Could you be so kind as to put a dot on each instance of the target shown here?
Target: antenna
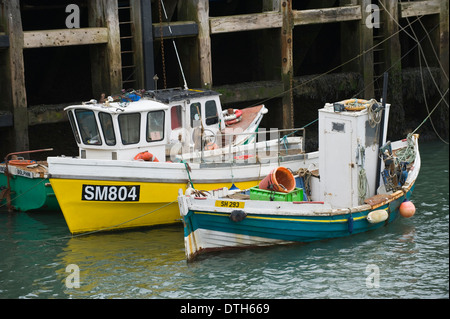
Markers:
(174, 45)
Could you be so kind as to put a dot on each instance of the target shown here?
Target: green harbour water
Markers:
(411, 257)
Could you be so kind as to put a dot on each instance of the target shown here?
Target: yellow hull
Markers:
(88, 207)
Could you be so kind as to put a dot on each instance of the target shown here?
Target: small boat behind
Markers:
(358, 187)
(24, 184)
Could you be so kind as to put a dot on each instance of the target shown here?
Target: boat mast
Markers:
(381, 138)
(174, 45)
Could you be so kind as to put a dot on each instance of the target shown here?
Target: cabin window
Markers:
(196, 114)
(175, 116)
(74, 127)
(107, 128)
(155, 126)
(88, 127)
(211, 116)
(129, 125)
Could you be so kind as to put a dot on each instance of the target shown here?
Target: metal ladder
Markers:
(379, 63)
(127, 29)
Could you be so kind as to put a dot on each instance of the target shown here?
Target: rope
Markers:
(423, 84)
(337, 67)
(108, 228)
(363, 184)
(374, 116)
(188, 169)
(306, 175)
(174, 45)
(416, 39)
(429, 114)
(12, 199)
(407, 154)
(398, 61)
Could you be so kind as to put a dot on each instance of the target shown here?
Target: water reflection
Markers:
(125, 264)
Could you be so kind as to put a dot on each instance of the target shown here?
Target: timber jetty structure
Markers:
(291, 55)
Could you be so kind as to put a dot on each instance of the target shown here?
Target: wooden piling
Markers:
(393, 61)
(106, 64)
(444, 57)
(197, 57)
(16, 75)
(366, 44)
(287, 63)
(443, 44)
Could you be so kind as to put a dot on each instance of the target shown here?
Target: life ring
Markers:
(21, 162)
(228, 123)
(232, 117)
(243, 157)
(356, 104)
(146, 156)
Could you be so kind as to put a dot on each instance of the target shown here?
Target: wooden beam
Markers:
(16, 75)
(273, 19)
(419, 8)
(64, 37)
(46, 114)
(179, 29)
(254, 91)
(327, 15)
(246, 22)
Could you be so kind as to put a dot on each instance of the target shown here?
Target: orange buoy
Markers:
(146, 156)
(407, 209)
(280, 179)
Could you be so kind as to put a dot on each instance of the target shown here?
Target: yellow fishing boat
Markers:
(137, 150)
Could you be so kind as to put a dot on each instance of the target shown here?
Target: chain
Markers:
(162, 44)
(291, 81)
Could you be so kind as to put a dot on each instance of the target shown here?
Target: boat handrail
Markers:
(246, 148)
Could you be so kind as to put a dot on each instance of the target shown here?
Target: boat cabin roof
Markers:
(151, 100)
(177, 94)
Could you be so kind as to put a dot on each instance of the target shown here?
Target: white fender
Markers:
(377, 216)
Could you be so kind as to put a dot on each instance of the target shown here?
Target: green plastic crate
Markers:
(261, 194)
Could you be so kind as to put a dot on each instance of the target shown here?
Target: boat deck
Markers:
(248, 116)
(38, 169)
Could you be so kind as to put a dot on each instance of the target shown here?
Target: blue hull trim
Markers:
(290, 228)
